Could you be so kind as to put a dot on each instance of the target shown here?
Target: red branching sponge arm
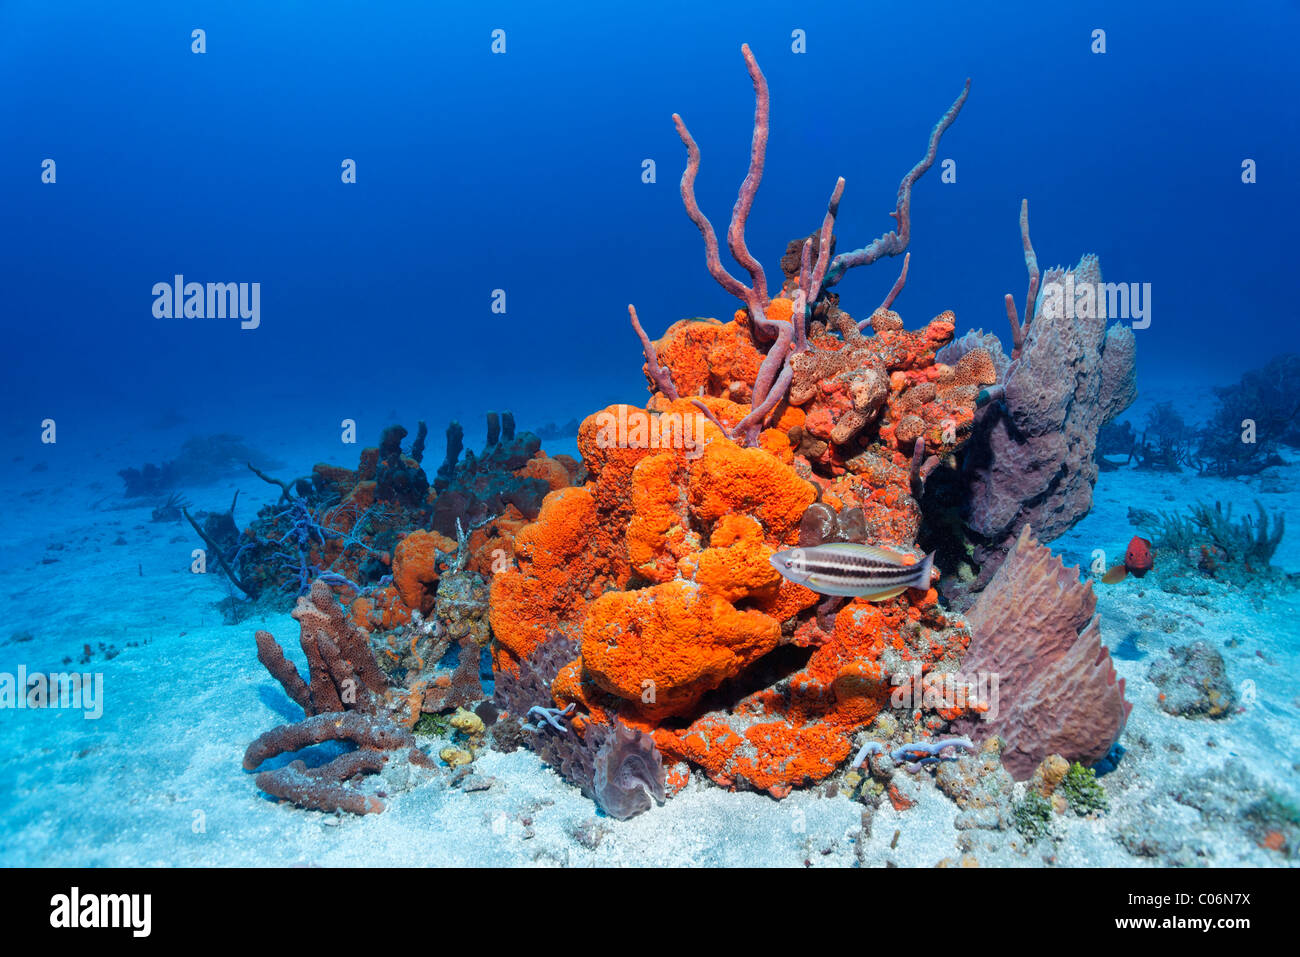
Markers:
(1031, 262)
(755, 299)
(800, 316)
(899, 283)
(711, 416)
(823, 250)
(748, 188)
(1018, 331)
(894, 290)
(657, 373)
(895, 242)
(767, 394)
(751, 424)
(724, 279)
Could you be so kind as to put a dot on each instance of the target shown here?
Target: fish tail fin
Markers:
(923, 573)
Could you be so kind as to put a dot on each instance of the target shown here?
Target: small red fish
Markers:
(1137, 562)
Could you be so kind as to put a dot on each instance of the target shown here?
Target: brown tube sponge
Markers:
(342, 668)
(363, 730)
(326, 788)
(271, 655)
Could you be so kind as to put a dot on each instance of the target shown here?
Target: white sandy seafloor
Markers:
(157, 779)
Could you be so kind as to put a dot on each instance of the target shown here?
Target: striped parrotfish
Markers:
(853, 570)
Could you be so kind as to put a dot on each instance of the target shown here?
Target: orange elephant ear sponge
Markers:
(708, 357)
(737, 564)
(729, 479)
(659, 533)
(415, 567)
(661, 648)
(659, 568)
(558, 561)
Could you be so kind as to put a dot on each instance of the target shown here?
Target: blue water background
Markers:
(522, 172)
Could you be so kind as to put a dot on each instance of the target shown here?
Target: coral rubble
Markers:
(1193, 682)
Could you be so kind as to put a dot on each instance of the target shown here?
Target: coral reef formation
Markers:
(410, 639)
(1254, 417)
(203, 459)
(648, 592)
(510, 476)
(350, 671)
(1035, 626)
(346, 697)
(336, 523)
(351, 526)
(637, 628)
